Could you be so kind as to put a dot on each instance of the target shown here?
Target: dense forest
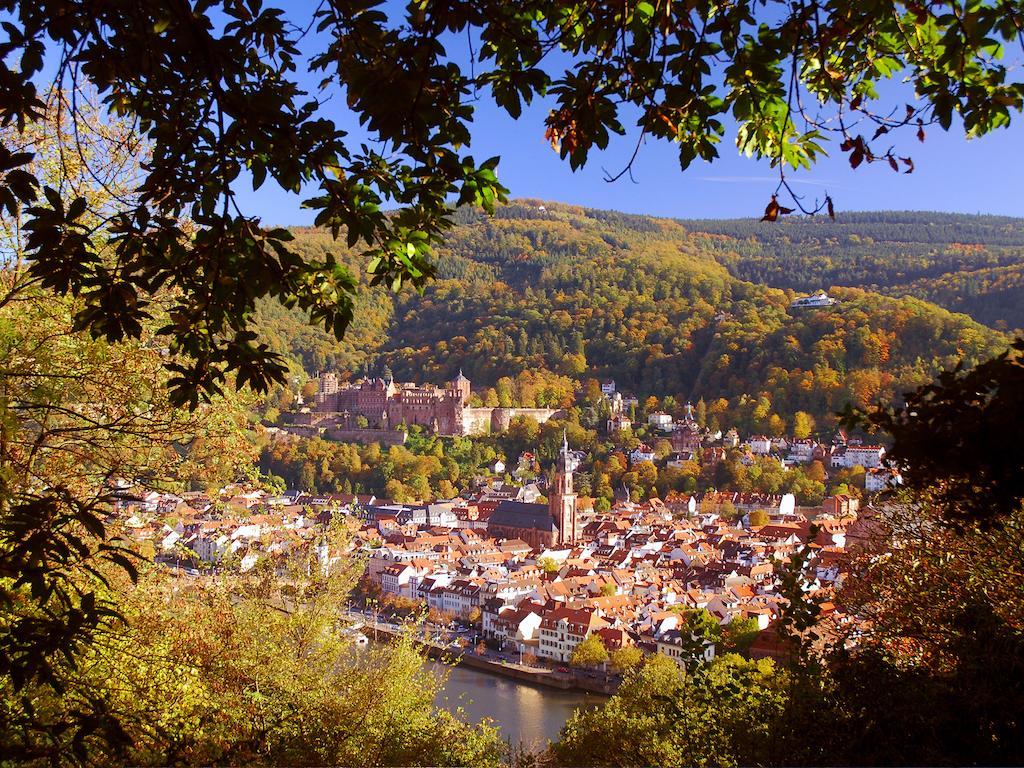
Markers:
(562, 292)
(970, 264)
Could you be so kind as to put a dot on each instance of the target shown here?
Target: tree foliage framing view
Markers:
(212, 86)
(158, 263)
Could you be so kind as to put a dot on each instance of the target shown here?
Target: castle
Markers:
(385, 405)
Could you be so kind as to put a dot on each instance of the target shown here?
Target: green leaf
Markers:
(643, 13)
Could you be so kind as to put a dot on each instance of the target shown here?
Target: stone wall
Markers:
(478, 421)
(384, 437)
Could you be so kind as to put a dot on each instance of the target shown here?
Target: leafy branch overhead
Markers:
(212, 86)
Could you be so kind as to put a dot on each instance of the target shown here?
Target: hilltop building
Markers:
(618, 420)
(686, 434)
(819, 299)
(385, 404)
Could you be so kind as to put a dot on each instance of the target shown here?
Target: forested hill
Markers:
(543, 287)
(971, 264)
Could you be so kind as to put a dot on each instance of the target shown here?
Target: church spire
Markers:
(563, 466)
(562, 498)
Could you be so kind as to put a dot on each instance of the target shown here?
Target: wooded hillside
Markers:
(666, 310)
(970, 264)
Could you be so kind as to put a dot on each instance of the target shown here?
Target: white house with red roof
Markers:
(563, 628)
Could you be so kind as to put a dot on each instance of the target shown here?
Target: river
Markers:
(527, 714)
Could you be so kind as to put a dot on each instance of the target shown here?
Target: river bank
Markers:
(540, 676)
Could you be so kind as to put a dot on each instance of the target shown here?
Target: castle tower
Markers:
(327, 384)
(460, 384)
(327, 391)
(562, 499)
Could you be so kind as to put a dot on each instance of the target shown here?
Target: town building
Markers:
(817, 300)
(660, 420)
(562, 629)
(880, 478)
(867, 456)
(684, 649)
(642, 452)
(686, 433)
(542, 525)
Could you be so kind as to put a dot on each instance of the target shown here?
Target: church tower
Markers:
(562, 499)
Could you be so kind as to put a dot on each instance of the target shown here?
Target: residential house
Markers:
(460, 597)
(642, 452)
(801, 452)
(684, 649)
(563, 628)
(880, 478)
(867, 456)
(516, 626)
(660, 420)
(395, 578)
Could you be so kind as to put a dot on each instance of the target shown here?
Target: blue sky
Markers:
(951, 173)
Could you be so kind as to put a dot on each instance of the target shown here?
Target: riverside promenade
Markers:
(543, 676)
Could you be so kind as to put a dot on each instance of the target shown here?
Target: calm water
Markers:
(527, 714)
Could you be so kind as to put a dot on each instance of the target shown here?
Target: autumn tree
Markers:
(548, 565)
(758, 518)
(626, 658)
(816, 471)
(698, 629)
(80, 416)
(722, 714)
(727, 510)
(960, 436)
(739, 634)
(591, 652)
(803, 425)
(215, 672)
(943, 652)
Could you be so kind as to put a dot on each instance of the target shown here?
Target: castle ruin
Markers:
(386, 404)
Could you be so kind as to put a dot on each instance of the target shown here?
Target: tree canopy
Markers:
(212, 87)
(960, 436)
(589, 653)
(78, 417)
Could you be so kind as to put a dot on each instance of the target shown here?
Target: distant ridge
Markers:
(971, 263)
